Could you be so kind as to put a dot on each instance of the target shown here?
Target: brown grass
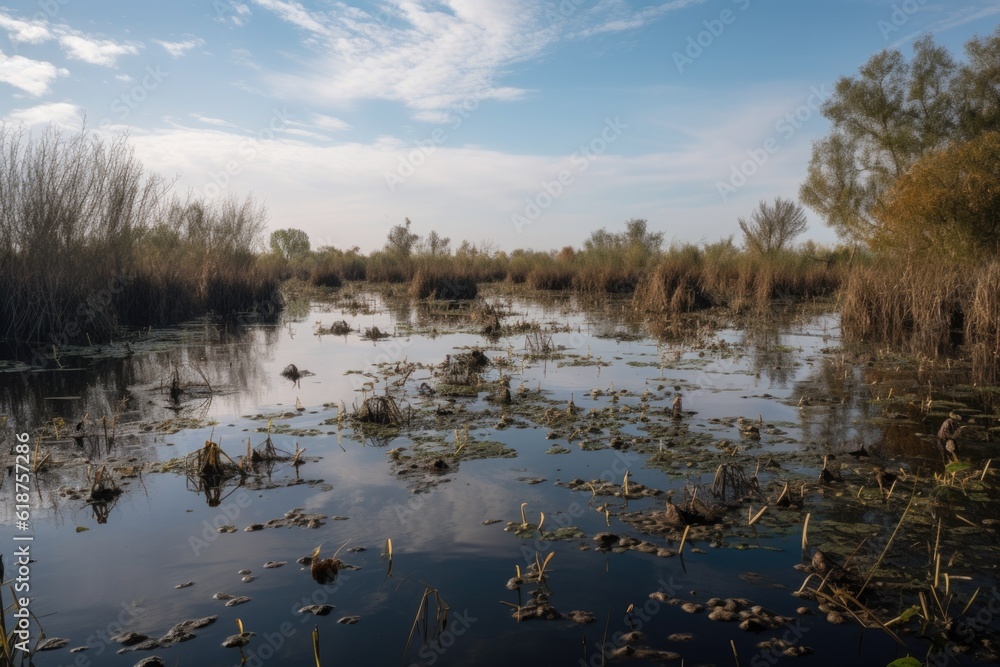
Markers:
(930, 309)
(90, 242)
(442, 282)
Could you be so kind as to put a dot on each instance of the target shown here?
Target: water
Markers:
(121, 572)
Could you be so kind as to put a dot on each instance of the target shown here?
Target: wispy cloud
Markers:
(208, 120)
(953, 18)
(32, 76)
(178, 49)
(431, 56)
(618, 15)
(97, 51)
(325, 122)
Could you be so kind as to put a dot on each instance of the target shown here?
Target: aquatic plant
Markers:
(381, 410)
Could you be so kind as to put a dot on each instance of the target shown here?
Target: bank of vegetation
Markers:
(90, 242)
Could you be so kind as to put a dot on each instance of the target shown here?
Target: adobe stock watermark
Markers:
(432, 651)
(564, 10)
(702, 41)
(123, 105)
(900, 16)
(784, 129)
(249, 150)
(49, 9)
(228, 512)
(408, 164)
(579, 162)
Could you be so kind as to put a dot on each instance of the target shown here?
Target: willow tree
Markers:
(890, 115)
(947, 206)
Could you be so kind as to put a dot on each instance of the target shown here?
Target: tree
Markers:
(401, 240)
(635, 239)
(436, 245)
(772, 226)
(289, 243)
(889, 116)
(947, 205)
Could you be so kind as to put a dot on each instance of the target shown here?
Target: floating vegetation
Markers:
(210, 461)
(338, 328)
(732, 484)
(103, 488)
(381, 410)
(464, 369)
(374, 333)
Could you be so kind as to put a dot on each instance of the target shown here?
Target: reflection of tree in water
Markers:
(835, 407)
(612, 316)
(93, 408)
(768, 355)
(849, 402)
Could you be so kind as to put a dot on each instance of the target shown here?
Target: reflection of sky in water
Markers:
(81, 580)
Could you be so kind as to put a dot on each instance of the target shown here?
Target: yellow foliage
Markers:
(947, 206)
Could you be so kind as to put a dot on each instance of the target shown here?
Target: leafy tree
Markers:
(289, 243)
(889, 116)
(401, 240)
(436, 245)
(772, 226)
(947, 204)
(635, 239)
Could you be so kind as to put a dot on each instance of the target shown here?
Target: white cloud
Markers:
(234, 12)
(30, 31)
(32, 76)
(431, 57)
(294, 13)
(77, 45)
(124, 78)
(325, 122)
(618, 15)
(62, 114)
(208, 120)
(956, 16)
(96, 51)
(178, 49)
(243, 57)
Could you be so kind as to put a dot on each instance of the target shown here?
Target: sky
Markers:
(506, 123)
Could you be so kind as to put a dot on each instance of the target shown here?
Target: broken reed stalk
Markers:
(784, 492)
(736, 656)
(388, 551)
(604, 639)
(889, 543)
(680, 550)
(315, 640)
(805, 533)
(757, 515)
(540, 565)
(986, 469)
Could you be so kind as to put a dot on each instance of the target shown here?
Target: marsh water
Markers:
(591, 400)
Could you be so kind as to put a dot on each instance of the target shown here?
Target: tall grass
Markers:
(933, 309)
(688, 278)
(89, 241)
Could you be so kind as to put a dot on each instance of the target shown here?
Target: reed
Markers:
(89, 242)
(930, 309)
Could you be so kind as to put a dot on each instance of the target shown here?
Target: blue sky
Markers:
(517, 123)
